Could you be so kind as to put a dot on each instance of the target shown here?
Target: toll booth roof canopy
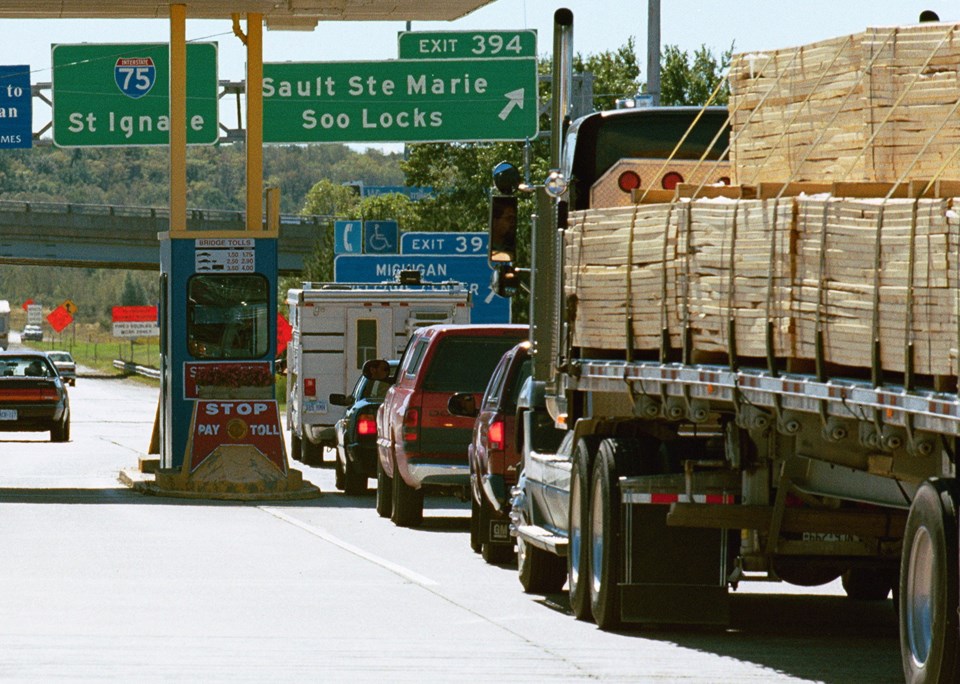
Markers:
(278, 14)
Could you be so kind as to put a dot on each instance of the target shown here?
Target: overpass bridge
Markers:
(107, 236)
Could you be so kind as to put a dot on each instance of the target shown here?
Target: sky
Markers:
(748, 25)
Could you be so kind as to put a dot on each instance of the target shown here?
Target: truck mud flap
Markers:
(672, 575)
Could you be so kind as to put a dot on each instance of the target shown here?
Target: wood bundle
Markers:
(874, 106)
(804, 267)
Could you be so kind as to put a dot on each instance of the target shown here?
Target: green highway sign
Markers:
(118, 95)
(400, 101)
(466, 44)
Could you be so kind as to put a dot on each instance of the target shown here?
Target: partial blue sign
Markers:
(381, 237)
(472, 271)
(415, 193)
(347, 237)
(454, 244)
(16, 108)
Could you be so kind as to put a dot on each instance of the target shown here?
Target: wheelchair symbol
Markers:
(378, 241)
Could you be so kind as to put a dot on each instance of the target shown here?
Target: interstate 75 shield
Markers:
(135, 76)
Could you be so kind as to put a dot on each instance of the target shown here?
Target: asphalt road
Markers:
(97, 582)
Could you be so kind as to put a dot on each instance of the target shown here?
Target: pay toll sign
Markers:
(400, 101)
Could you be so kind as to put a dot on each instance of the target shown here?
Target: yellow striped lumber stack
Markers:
(876, 106)
(801, 265)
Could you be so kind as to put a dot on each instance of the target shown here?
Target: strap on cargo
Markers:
(666, 348)
(731, 289)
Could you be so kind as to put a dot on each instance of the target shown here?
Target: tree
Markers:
(616, 74)
(690, 82)
(327, 198)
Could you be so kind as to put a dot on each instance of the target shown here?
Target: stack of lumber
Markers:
(875, 106)
(802, 265)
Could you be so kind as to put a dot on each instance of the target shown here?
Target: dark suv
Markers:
(494, 453)
(420, 444)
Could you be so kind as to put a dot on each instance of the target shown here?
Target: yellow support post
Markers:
(178, 118)
(254, 122)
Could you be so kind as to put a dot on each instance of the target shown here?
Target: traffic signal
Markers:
(505, 280)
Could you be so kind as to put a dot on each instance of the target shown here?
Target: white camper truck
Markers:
(336, 328)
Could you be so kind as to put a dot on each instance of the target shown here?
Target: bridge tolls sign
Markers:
(118, 95)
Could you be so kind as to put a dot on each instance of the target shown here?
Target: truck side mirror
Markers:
(503, 228)
(463, 404)
(377, 369)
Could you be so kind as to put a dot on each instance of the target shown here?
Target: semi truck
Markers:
(337, 327)
(754, 380)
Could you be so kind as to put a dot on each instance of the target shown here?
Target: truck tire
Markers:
(384, 492)
(407, 502)
(605, 542)
(868, 584)
(578, 553)
(338, 474)
(475, 544)
(295, 448)
(928, 586)
(311, 454)
(497, 554)
(540, 572)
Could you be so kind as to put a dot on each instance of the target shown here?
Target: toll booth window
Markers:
(366, 340)
(227, 316)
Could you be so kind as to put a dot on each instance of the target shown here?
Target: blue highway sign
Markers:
(380, 237)
(347, 237)
(16, 108)
(455, 244)
(473, 271)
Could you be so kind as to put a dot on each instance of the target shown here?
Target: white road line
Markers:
(406, 573)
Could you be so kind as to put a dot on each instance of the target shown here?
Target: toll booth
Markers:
(218, 312)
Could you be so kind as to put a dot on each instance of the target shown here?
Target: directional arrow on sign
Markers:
(515, 99)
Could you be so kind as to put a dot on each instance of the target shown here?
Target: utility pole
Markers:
(653, 50)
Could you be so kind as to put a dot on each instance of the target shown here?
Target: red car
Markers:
(494, 454)
(420, 444)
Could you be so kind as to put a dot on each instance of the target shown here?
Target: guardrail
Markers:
(136, 369)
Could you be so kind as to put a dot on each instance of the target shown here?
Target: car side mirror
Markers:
(341, 399)
(463, 404)
(377, 369)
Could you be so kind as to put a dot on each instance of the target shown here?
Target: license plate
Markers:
(499, 530)
(8, 414)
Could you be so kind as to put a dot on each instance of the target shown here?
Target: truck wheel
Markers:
(578, 556)
(928, 586)
(605, 537)
(868, 584)
(497, 554)
(475, 544)
(338, 474)
(384, 492)
(407, 502)
(295, 446)
(354, 483)
(540, 572)
(311, 454)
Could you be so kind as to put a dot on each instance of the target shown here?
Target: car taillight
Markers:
(495, 435)
(310, 387)
(366, 425)
(411, 425)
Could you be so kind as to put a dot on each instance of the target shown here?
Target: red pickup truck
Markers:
(420, 444)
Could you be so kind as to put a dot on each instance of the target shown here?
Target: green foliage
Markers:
(616, 73)
(686, 81)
